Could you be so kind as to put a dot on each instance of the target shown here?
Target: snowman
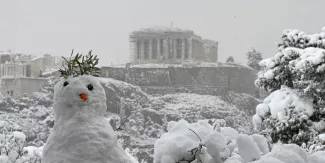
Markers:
(81, 133)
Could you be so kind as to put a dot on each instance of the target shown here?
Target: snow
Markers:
(80, 126)
(133, 159)
(175, 145)
(215, 143)
(317, 157)
(257, 121)
(33, 151)
(262, 109)
(301, 59)
(322, 136)
(49, 71)
(267, 63)
(4, 159)
(285, 154)
(295, 148)
(312, 56)
(229, 133)
(19, 135)
(261, 142)
(2, 138)
(247, 148)
(107, 82)
(268, 160)
(170, 125)
(281, 99)
(269, 74)
(233, 160)
(36, 58)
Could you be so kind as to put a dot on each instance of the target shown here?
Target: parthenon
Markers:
(171, 45)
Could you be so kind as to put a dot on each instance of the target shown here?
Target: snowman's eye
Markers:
(65, 83)
(90, 87)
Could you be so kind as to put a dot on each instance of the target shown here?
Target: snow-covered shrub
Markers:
(287, 116)
(13, 150)
(8, 104)
(294, 110)
(199, 142)
(204, 142)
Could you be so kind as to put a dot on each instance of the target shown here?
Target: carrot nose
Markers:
(83, 96)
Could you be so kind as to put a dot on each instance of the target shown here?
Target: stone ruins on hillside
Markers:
(170, 45)
(22, 73)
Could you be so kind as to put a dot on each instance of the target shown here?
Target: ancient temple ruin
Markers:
(170, 45)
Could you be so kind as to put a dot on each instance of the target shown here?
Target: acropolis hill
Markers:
(171, 60)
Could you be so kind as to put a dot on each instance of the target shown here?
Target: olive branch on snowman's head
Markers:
(80, 65)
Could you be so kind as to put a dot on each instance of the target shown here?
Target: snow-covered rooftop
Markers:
(36, 58)
(50, 71)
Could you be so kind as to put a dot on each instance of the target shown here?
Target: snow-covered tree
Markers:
(13, 150)
(253, 59)
(294, 112)
(230, 59)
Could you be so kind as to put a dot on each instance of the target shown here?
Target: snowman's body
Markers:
(81, 132)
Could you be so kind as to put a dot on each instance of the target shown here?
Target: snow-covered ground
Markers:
(201, 142)
(147, 115)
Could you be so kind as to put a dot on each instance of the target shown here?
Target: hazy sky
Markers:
(57, 26)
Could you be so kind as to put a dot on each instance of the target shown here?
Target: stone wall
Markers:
(17, 86)
(242, 80)
(148, 76)
(201, 80)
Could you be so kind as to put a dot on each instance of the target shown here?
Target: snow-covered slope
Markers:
(146, 116)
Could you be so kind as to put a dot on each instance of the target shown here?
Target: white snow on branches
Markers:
(180, 144)
(277, 102)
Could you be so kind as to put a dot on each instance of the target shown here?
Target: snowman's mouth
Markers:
(83, 96)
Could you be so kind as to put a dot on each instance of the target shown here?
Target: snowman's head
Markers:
(79, 95)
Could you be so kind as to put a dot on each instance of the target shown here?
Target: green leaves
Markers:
(80, 65)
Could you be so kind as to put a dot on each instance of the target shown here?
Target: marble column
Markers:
(183, 49)
(166, 50)
(142, 49)
(190, 48)
(158, 49)
(150, 49)
(175, 48)
(11, 71)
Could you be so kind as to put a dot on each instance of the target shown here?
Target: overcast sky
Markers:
(57, 26)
